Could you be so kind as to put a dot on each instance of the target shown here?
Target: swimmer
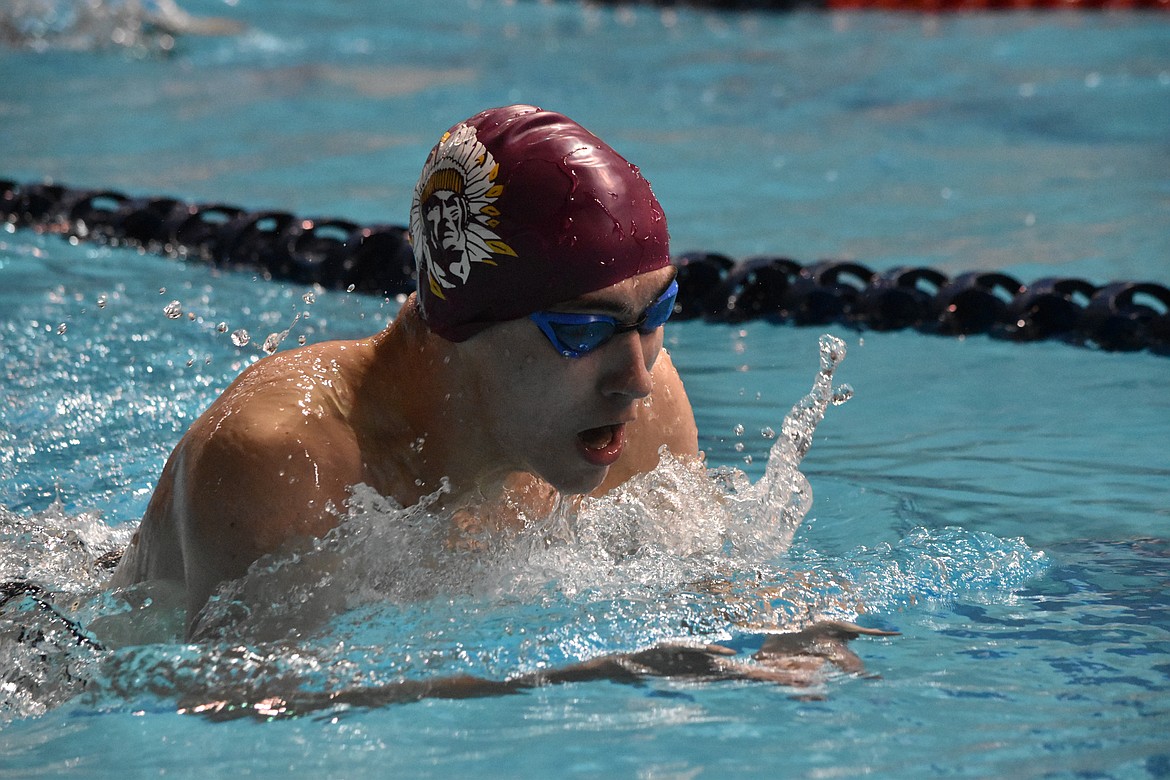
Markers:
(528, 364)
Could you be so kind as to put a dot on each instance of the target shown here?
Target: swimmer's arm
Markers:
(796, 659)
(153, 552)
(666, 418)
(248, 487)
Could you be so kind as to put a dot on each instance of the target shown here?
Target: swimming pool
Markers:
(1001, 505)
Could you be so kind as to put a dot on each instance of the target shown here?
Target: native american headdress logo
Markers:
(452, 217)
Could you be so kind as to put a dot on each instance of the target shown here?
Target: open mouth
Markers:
(602, 446)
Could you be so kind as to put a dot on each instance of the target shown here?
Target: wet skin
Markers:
(501, 416)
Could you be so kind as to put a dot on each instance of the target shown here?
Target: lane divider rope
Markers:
(377, 259)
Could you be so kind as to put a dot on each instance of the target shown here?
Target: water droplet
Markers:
(101, 301)
(190, 362)
(301, 339)
(173, 310)
(61, 329)
(309, 298)
(272, 342)
(747, 459)
(841, 394)
(221, 327)
(417, 444)
(162, 291)
(767, 432)
(190, 316)
(351, 288)
(739, 446)
(240, 337)
(739, 429)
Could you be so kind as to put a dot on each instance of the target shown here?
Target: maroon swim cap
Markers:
(518, 209)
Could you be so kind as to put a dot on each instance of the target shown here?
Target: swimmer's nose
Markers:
(631, 356)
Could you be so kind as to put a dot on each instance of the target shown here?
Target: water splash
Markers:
(682, 551)
(52, 565)
(276, 338)
(59, 551)
(146, 26)
(674, 525)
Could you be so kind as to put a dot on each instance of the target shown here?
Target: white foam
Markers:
(57, 550)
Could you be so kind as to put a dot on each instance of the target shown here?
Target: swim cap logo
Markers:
(453, 217)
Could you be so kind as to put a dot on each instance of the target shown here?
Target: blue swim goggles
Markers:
(574, 335)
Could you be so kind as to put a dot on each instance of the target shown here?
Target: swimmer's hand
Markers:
(797, 659)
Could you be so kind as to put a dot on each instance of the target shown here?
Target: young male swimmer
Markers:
(529, 362)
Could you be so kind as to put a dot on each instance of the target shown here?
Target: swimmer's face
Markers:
(561, 418)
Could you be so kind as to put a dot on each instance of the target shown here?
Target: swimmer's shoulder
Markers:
(669, 411)
(283, 422)
(315, 381)
(272, 460)
(665, 418)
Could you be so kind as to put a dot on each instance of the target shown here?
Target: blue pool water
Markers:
(1000, 505)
